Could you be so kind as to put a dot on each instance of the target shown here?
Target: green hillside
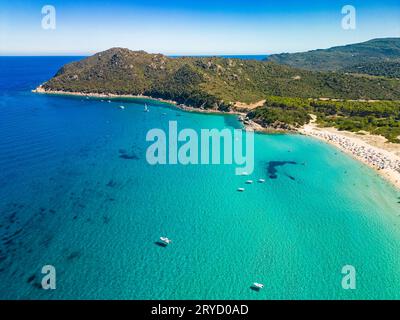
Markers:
(210, 82)
(345, 58)
(389, 69)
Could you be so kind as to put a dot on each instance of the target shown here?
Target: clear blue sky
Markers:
(191, 27)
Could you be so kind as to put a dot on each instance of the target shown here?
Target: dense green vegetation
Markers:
(377, 117)
(390, 69)
(382, 118)
(382, 52)
(210, 82)
(218, 83)
(284, 113)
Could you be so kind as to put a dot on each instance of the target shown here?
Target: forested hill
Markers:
(345, 58)
(390, 69)
(210, 82)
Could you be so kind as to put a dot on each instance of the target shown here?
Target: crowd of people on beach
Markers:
(369, 155)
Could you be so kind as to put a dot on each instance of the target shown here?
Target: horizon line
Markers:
(86, 54)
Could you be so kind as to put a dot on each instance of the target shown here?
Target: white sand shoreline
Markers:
(382, 157)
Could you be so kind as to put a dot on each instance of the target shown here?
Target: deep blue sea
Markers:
(76, 192)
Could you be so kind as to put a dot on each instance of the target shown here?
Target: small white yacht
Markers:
(258, 285)
(244, 173)
(146, 108)
(122, 107)
(165, 240)
(261, 180)
(240, 189)
(249, 181)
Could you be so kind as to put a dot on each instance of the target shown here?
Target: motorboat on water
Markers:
(165, 240)
(261, 180)
(258, 286)
(146, 108)
(249, 181)
(240, 189)
(122, 107)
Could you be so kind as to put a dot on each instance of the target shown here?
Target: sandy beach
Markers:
(372, 150)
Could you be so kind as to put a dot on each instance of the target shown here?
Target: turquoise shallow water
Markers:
(68, 198)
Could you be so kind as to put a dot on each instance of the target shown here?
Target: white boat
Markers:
(146, 108)
(258, 285)
(261, 180)
(249, 181)
(244, 173)
(240, 189)
(122, 107)
(165, 240)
